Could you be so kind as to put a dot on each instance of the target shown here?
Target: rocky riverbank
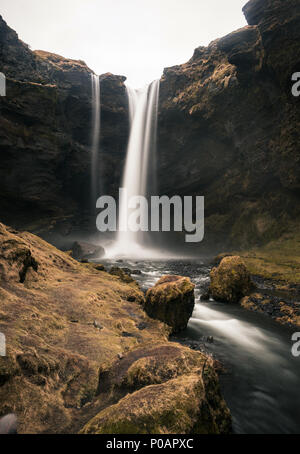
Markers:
(83, 355)
(261, 280)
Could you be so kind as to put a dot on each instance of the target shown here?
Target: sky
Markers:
(134, 38)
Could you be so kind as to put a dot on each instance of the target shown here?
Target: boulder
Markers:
(230, 281)
(171, 301)
(186, 404)
(85, 251)
(122, 274)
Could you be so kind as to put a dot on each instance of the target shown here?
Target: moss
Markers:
(159, 368)
(53, 364)
(277, 260)
(8, 369)
(172, 301)
(177, 406)
(230, 281)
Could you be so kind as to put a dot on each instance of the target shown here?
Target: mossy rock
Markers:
(177, 406)
(171, 301)
(230, 281)
(168, 363)
(119, 272)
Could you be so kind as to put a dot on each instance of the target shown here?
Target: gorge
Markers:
(84, 356)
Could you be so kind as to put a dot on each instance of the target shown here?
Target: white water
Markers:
(261, 383)
(95, 138)
(140, 163)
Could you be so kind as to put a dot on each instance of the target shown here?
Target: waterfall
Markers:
(95, 81)
(139, 172)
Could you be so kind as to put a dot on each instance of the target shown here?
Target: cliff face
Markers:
(229, 127)
(45, 135)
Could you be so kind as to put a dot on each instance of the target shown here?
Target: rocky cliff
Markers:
(45, 135)
(229, 127)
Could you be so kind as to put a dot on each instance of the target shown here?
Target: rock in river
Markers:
(171, 301)
(230, 281)
(82, 250)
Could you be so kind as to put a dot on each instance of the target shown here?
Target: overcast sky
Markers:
(135, 38)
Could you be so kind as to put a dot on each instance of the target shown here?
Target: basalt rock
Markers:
(172, 301)
(162, 389)
(231, 281)
(229, 118)
(45, 138)
(122, 274)
(82, 250)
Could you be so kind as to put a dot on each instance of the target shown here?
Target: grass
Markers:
(278, 260)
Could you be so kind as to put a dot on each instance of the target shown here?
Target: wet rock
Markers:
(171, 301)
(284, 311)
(142, 326)
(230, 281)
(100, 267)
(205, 296)
(85, 251)
(218, 259)
(115, 271)
(126, 334)
(136, 272)
(131, 298)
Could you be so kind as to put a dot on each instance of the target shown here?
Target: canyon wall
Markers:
(45, 136)
(229, 127)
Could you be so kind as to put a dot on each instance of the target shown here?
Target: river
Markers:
(261, 382)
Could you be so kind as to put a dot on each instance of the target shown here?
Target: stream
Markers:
(261, 383)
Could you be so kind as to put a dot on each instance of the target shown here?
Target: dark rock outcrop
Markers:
(45, 137)
(231, 281)
(229, 128)
(82, 250)
(122, 274)
(171, 301)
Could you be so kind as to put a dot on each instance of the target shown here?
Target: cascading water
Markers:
(95, 80)
(140, 162)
